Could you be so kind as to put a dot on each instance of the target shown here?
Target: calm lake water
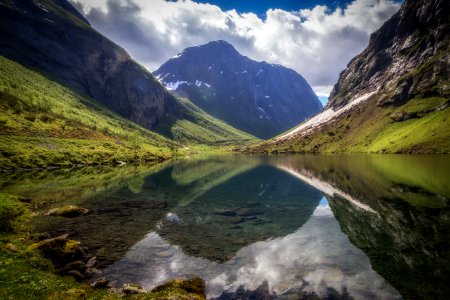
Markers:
(256, 227)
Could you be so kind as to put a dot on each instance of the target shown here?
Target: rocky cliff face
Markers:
(256, 97)
(394, 97)
(417, 34)
(52, 37)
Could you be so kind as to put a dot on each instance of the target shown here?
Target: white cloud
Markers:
(318, 43)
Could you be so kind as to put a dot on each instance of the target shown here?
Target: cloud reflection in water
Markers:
(316, 257)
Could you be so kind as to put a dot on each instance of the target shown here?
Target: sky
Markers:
(315, 38)
(260, 7)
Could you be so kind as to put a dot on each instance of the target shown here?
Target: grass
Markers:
(421, 125)
(188, 124)
(10, 210)
(44, 124)
(371, 129)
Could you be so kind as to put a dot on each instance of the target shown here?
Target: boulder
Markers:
(60, 250)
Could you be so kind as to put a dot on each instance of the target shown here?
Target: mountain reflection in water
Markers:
(336, 226)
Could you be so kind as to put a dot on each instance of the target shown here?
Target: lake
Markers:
(261, 227)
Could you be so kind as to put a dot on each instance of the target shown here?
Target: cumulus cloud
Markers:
(317, 43)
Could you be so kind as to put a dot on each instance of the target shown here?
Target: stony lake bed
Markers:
(287, 227)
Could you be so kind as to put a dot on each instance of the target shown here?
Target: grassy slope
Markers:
(45, 124)
(189, 124)
(371, 129)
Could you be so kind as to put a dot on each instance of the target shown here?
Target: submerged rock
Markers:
(101, 283)
(25, 200)
(130, 288)
(157, 204)
(69, 211)
(249, 211)
(224, 212)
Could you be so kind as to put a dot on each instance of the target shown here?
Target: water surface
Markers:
(339, 226)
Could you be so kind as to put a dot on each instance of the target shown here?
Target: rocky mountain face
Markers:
(417, 34)
(259, 98)
(393, 97)
(51, 36)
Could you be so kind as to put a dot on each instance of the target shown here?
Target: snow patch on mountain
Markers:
(173, 86)
(324, 117)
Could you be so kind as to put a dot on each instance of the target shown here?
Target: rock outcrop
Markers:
(417, 34)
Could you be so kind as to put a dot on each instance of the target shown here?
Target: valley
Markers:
(220, 175)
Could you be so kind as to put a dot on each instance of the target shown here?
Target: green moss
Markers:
(71, 245)
(10, 210)
(68, 211)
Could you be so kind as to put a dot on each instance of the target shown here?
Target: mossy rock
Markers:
(60, 250)
(69, 211)
(192, 286)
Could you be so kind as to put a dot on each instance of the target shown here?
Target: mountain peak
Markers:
(259, 98)
(218, 43)
(214, 47)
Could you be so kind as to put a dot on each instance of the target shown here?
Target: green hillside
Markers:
(189, 124)
(44, 124)
(420, 125)
(375, 129)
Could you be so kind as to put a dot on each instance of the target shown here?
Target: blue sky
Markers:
(260, 7)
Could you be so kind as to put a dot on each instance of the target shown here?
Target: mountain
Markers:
(393, 97)
(53, 38)
(256, 97)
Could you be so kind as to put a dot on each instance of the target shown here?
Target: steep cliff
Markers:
(393, 97)
(407, 57)
(52, 37)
